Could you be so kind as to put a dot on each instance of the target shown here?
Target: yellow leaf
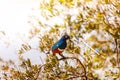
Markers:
(88, 0)
(107, 1)
(92, 38)
(61, 1)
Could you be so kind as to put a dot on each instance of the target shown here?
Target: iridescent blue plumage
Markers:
(60, 44)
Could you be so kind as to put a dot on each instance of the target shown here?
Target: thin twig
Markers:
(98, 53)
(90, 47)
(116, 50)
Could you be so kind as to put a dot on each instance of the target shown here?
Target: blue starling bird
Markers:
(59, 46)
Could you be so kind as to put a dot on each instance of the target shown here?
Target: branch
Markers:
(116, 50)
(79, 63)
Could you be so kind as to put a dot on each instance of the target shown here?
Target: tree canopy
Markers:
(93, 54)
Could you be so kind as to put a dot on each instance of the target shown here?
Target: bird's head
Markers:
(65, 37)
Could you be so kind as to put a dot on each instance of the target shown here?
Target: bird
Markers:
(60, 45)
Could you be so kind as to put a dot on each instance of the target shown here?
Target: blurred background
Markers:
(14, 26)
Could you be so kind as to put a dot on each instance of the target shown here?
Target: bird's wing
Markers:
(56, 45)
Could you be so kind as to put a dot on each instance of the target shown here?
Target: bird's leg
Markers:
(61, 55)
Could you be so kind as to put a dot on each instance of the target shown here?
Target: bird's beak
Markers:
(70, 39)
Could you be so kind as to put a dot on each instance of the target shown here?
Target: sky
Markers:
(14, 14)
(14, 17)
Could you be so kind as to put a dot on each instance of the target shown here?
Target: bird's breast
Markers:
(58, 50)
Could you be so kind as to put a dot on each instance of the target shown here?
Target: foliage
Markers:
(95, 33)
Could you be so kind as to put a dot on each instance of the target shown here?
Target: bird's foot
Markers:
(63, 57)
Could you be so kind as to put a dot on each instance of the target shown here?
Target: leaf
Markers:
(61, 1)
(92, 38)
(107, 1)
(5, 68)
(99, 15)
(63, 75)
(113, 61)
(28, 62)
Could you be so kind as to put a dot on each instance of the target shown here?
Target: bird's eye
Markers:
(66, 36)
